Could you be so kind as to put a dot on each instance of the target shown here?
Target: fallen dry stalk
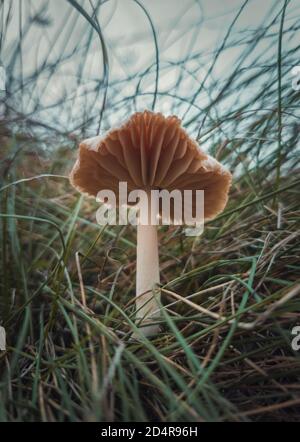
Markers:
(243, 325)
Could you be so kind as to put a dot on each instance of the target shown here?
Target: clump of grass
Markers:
(230, 298)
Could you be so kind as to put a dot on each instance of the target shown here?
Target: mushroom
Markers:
(150, 152)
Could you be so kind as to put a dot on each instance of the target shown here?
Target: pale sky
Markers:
(188, 34)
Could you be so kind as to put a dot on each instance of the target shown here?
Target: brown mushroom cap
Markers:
(151, 151)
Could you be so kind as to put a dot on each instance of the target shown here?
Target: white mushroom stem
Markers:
(147, 277)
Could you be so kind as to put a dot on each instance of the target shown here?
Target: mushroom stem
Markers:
(147, 276)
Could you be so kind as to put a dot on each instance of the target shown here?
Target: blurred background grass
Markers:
(231, 297)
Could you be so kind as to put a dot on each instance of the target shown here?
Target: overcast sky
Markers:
(188, 34)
